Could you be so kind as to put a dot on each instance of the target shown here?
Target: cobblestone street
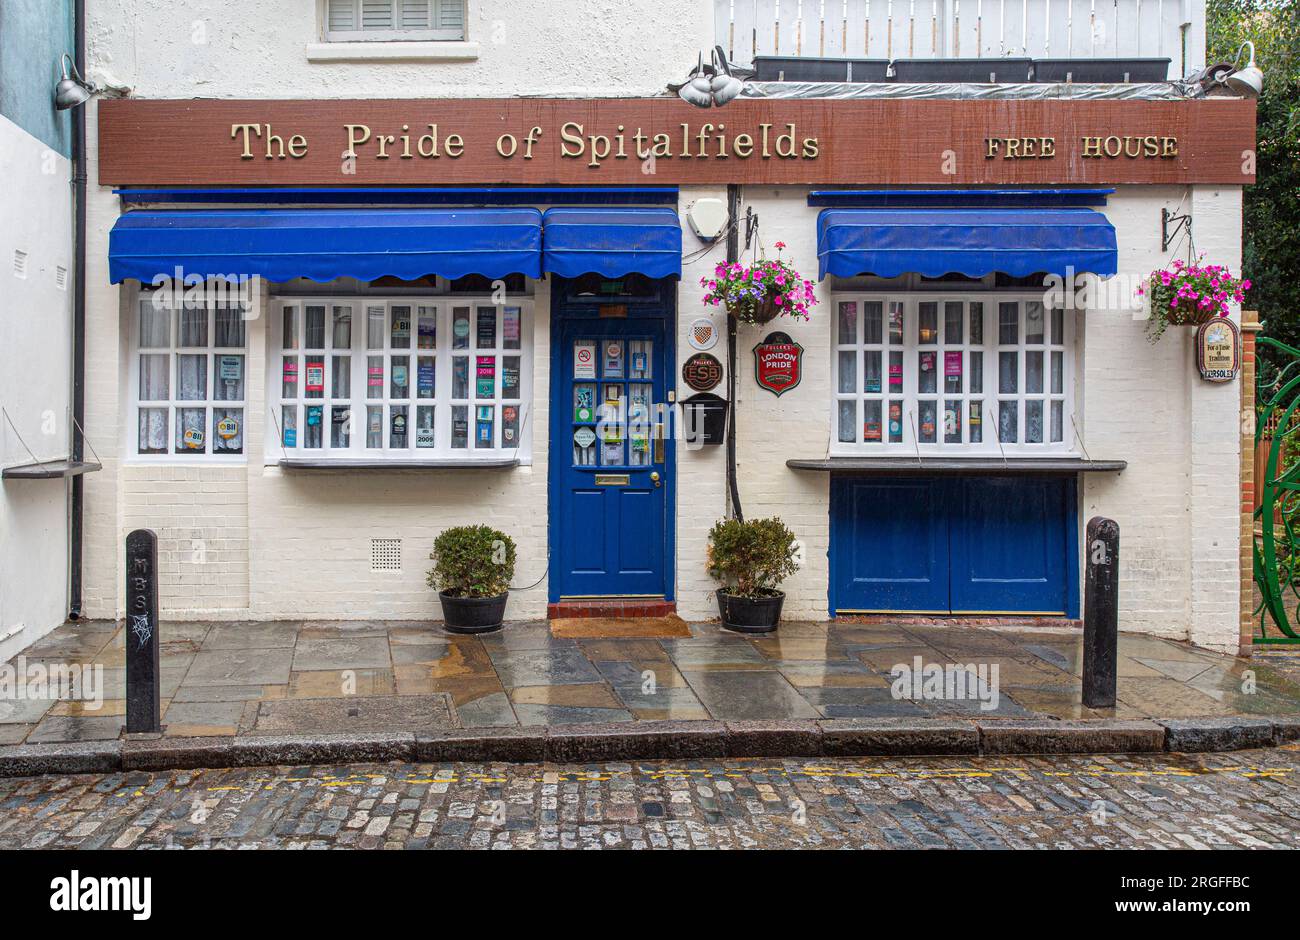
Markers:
(1246, 799)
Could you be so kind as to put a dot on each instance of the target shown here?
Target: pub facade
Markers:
(351, 281)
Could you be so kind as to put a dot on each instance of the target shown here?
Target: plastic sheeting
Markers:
(1025, 91)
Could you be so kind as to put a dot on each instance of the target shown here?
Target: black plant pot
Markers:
(473, 614)
(750, 614)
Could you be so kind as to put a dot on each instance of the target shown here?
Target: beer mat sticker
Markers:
(778, 363)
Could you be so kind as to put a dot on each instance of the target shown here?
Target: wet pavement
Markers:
(1248, 799)
(281, 677)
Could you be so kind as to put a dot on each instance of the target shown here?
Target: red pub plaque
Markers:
(777, 362)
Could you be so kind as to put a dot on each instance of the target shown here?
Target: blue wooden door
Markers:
(611, 460)
(962, 545)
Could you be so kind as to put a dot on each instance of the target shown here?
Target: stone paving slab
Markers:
(813, 688)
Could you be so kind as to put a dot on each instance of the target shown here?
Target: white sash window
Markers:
(951, 375)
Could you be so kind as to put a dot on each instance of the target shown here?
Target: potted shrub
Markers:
(759, 292)
(472, 568)
(751, 559)
(1189, 295)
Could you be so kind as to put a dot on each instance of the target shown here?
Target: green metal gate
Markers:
(1277, 517)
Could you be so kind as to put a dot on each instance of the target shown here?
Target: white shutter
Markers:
(342, 14)
(451, 14)
(377, 14)
(414, 13)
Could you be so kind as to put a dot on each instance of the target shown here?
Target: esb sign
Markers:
(778, 363)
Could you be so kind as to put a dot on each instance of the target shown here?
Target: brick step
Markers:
(612, 607)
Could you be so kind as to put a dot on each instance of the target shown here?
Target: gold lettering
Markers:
(357, 134)
(743, 145)
(297, 146)
(247, 130)
(455, 145)
(1048, 149)
(567, 137)
(1111, 151)
(990, 147)
(502, 144)
(1091, 147)
(1169, 147)
(810, 148)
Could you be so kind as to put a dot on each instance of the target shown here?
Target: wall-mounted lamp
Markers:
(712, 85)
(72, 91)
(1249, 81)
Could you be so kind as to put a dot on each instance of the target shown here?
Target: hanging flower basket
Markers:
(760, 292)
(1189, 295)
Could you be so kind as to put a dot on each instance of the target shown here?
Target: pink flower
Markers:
(779, 300)
(1245, 284)
(780, 245)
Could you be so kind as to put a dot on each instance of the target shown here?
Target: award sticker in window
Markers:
(315, 375)
(509, 425)
(483, 426)
(584, 403)
(613, 358)
(584, 360)
(486, 377)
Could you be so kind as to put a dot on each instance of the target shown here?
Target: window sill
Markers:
(959, 464)
(363, 463)
(432, 51)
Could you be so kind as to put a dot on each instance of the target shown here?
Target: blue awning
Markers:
(612, 242)
(324, 244)
(973, 242)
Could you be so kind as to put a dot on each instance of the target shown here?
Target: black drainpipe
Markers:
(78, 320)
(733, 254)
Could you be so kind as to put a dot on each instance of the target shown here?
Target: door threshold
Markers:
(957, 621)
(613, 606)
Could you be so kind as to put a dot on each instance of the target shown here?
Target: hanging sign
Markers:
(777, 362)
(1218, 350)
(702, 372)
(702, 334)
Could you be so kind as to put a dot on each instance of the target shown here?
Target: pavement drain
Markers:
(364, 713)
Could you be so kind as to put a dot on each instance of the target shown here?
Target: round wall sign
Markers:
(702, 372)
(703, 334)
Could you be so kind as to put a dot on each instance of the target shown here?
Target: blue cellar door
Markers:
(961, 545)
(611, 460)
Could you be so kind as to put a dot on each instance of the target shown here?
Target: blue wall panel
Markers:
(33, 34)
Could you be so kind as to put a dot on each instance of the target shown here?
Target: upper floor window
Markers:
(979, 373)
(391, 20)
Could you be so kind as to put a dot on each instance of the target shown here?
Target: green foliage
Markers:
(472, 561)
(1271, 222)
(751, 558)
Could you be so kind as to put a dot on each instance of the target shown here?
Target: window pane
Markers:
(374, 376)
(1008, 379)
(977, 371)
(895, 370)
(952, 314)
(374, 328)
(425, 374)
(926, 377)
(484, 433)
(1034, 421)
(460, 377)
(193, 328)
(341, 380)
(155, 326)
(313, 328)
(952, 371)
(510, 377)
(511, 321)
(1034, 371)
(486, 337)
(460, 328)
(952, 421)
(289, 328)
(1058, 422)
(872, 325)
(639, 356)
(314, 377)
(342, 338)
(895, 323)
(848, 331)
(848, 370)
(401, 332)
(428, 331)
(289, 425)
(611, 359)
(895, 422)
(227, 430)
(192, 379)
(230, 326)
(871, 371)
(155, 378)
(190, 436)
(289, 377)
(397, 426)
(315, 419)
(1034, 322)
(1058, 373)
(374, 426)
(230, 379)
(848, 420)
(400, 376)
(485, 377)
(460, 425)
(927, 323)
(341, 427)
(510, 433)
(153, 431)
(1058, 327)
(871, 422)
(976, 324)
(976, 425)
(1008, 323)
(424, 429)
(1007, 422)
(926, 410)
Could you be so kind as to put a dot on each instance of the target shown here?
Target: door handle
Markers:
(654, 478)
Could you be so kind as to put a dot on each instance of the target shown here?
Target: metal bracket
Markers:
(751, 225)
(1179, 223)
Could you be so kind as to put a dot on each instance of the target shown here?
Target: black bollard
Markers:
(143, 704)
(1101, 613)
